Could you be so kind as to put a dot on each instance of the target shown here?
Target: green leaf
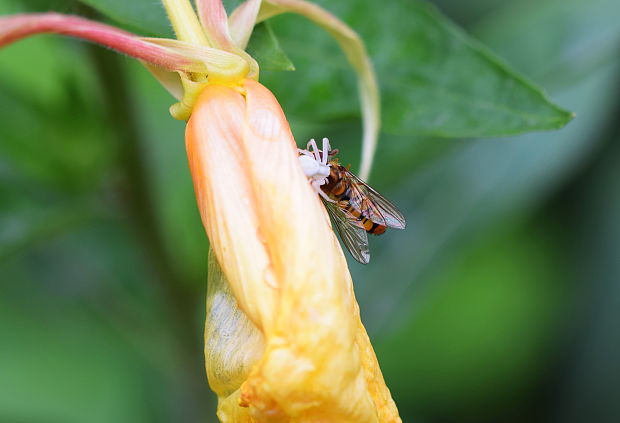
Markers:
(435, 80)
(265, 48)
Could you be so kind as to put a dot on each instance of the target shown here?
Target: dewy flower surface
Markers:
(283, 338)
(304, 355)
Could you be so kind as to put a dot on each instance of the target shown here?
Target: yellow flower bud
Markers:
(284, 341)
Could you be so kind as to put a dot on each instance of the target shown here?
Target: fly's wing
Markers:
(373, 205)
(352, 236)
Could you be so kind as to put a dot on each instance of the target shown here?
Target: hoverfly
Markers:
(355, 209)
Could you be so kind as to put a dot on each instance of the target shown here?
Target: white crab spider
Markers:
(315, 165)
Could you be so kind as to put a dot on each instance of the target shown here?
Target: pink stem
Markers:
(16, 27)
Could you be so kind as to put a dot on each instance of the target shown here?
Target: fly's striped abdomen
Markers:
(338, 188)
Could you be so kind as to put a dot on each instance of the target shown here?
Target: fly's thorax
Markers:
(336, 185)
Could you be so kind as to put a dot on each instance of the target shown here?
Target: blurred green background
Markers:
(499, 303)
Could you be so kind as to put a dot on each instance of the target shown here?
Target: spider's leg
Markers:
(315, 187)
(326, 150)
(315, 149)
